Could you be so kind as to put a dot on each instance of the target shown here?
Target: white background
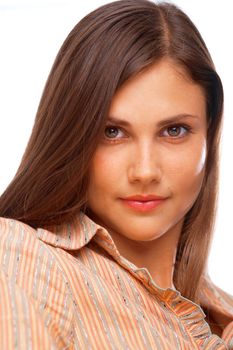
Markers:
(31, 32)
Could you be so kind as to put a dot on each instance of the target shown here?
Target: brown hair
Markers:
(107, 47)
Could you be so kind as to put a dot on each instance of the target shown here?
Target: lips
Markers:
(143, 203)
(144, 198)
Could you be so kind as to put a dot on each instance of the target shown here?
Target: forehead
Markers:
(163, 89)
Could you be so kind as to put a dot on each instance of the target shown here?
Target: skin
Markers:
(145, 157)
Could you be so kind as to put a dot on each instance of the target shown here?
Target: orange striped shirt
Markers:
(67, 287)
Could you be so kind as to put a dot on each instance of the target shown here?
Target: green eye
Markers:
(176, 131)
(111, 132)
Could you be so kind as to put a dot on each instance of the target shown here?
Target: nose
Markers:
(145, 165)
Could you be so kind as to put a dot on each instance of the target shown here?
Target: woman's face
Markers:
(154, 144)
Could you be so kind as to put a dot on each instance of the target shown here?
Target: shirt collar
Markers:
(75, 234)
(81, 230)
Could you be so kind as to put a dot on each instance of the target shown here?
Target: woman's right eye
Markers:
(113, 132)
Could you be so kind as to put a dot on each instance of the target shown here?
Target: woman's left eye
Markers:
(176, 131)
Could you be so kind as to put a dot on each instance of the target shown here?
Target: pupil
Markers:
(174, 131)
(111, 132)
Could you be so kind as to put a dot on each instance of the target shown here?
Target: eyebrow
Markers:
(173, 119)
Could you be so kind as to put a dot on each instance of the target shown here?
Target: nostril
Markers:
(144, 174)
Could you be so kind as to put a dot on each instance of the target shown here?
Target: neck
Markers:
(158, 256)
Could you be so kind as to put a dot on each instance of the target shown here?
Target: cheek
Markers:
(105, 170)
(198, 161)
(188, 169)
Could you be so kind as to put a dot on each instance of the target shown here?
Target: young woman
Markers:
(106, 227)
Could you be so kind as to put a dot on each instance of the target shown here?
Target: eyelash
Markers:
(188, 130)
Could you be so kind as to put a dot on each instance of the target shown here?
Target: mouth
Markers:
(144, 198)
(143, 203)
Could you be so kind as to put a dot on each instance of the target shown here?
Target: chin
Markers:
(142, 235)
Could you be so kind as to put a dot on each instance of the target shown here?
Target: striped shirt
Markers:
(67, 287)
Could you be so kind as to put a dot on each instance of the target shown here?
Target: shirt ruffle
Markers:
(193, 319)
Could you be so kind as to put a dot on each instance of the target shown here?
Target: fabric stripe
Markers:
(67, 287)
(123, 325)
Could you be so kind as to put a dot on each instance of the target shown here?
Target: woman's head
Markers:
(104, 50)
(154, 145)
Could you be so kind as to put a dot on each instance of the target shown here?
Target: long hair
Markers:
(106, 48)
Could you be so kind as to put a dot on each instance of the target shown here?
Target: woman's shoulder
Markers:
(23, 254)
(18, 242)
(27, 260)
(218, 306)
(29, 266)
(17, 239)
(215, 296)
(9, 225)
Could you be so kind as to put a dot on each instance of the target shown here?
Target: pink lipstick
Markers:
(143, 203)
